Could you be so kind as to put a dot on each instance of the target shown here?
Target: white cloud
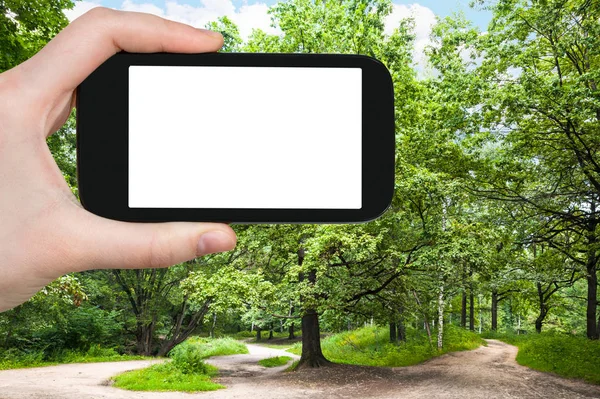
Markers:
(81, 7)
(424, 20)
(247, 17)
(144, 7)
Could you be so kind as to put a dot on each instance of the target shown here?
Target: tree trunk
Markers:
(471, 311)
(463, 310)
(144, 337)
(258, 333)
(213, 325)
(440, 336)
(401, 331)
(291, 334)
(312, 355)
(539, 321)
(494, 310)
(270, 331)
(181, 332)
(592, 278)
(393, 332)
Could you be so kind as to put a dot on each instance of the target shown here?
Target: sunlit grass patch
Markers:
(275, 361)
(565, 355)
(370, 346)
(207, 347)
(168, 377)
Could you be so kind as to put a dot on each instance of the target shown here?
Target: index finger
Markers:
(100, 33)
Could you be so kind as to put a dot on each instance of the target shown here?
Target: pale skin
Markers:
(44, 231)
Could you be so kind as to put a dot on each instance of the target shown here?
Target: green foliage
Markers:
(26, 26)
(167, 377)
(566, 355)
(231, 34)
(370, 346)
(275, 361)
(189, 359)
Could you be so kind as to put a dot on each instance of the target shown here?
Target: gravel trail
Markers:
(488, 372)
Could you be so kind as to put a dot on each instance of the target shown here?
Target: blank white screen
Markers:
(245, 137)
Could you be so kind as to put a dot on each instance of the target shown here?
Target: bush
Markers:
(188, 359)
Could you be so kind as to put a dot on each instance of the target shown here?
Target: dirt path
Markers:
(488, 372)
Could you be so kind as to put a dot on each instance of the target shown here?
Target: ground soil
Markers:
(488, 372)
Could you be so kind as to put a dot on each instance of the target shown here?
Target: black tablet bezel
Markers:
(102, 140)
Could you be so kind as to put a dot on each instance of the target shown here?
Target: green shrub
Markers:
(189, 360)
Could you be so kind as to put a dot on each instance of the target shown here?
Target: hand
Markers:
(44, 232)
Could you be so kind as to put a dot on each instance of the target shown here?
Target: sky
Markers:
(249, 14)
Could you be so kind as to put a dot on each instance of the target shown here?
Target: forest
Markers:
(493, 231)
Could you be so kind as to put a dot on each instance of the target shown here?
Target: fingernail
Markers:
(211, 33)
(214, 241)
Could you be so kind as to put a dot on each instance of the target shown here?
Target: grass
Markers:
(292, 366)
(14, 359)
(207, 347)
(187, 372)
(370, 346)
(565, 355)
(275, 361)
(167, 377)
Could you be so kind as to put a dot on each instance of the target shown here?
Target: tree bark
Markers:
(592, 278)
(291, 333)
(270, 331)
(144, 337)
(440, 336)
(463, 310)
(213, 325)
(312, 355)
(471, 311)
(539, 321)
(258, 333)
(494, 310)
(393, 332)
(401, 331)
